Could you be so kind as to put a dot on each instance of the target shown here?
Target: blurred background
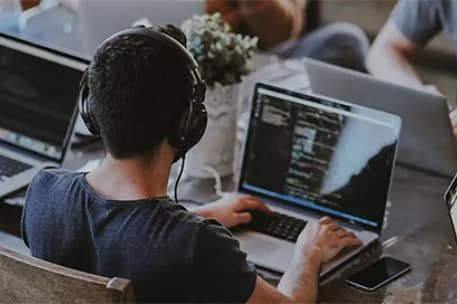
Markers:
(57, 23)
(436, 63)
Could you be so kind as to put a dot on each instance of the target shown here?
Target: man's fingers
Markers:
(351, 241)
(250, 203)
(341, 233)
(243, 217)
(332, 226)
(325, 220)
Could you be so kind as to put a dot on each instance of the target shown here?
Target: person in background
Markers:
(26, 4)
(71, 4)
(118, 220)
(411, 25)
(280, 26)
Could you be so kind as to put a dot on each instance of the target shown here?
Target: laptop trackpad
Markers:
(266, 251)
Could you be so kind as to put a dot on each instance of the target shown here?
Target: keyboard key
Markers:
(10, 167)
(277, 225)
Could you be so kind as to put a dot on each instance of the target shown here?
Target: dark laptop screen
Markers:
(327, 156)
(450, 198)
(38, 92)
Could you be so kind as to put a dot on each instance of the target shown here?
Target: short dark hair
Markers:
(138, 90)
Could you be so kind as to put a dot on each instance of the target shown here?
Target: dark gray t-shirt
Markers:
(420, 20)
(169, 253)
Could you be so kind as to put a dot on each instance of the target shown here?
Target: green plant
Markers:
(222, 55)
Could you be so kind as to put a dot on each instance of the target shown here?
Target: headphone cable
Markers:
(181, 170)
(217, 181)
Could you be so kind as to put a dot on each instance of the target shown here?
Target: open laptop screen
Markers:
(450, 197)
(38, 93)
(320, 154)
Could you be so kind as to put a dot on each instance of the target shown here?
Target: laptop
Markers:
(427, 139)
(309, 156)
(101, 18)
(38, 101)
(450, 198)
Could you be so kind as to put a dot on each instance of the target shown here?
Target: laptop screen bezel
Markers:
(77, 60)
(396, 121)
(450, 198)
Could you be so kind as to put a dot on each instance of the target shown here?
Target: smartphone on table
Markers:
(378, 274)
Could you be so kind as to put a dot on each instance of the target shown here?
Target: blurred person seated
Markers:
(412, 24)
(26, 4)
(281, 28)
(118, 220)
(15, 14)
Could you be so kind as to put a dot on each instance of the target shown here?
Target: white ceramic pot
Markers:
(216, 148)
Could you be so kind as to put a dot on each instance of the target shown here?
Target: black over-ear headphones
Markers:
(191, 125)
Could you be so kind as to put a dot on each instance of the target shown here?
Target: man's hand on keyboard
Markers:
(318, 243)
(324, 239)
(232, 210)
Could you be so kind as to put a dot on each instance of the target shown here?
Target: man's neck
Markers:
(133, 178)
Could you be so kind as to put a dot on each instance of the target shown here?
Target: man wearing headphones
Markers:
(143, 95)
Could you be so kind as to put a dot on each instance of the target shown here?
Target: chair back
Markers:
(25, 279)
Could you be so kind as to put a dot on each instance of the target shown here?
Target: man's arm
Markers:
(318, 243)
(389, 57)
(411, 25)
(265, 293)
(232, 209)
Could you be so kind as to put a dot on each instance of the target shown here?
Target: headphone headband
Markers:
(157, 35)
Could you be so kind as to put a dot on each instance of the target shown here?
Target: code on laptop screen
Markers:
(38, 92)
(321, 155)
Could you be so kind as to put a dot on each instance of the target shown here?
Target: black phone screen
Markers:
(379, 273)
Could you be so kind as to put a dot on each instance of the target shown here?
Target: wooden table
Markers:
(418, 218)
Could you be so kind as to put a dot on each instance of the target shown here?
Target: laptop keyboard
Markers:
(277, 225)
(10, 167)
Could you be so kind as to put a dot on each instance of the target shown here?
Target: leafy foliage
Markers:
(222, 55)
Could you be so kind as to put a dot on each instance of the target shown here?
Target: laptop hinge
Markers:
(26, 153)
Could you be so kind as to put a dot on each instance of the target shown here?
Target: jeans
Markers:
(342, 44)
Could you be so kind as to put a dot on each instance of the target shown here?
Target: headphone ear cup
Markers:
(199, 92)
(85, 111)
(191, 129)
(197, 125)
(92, 124)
